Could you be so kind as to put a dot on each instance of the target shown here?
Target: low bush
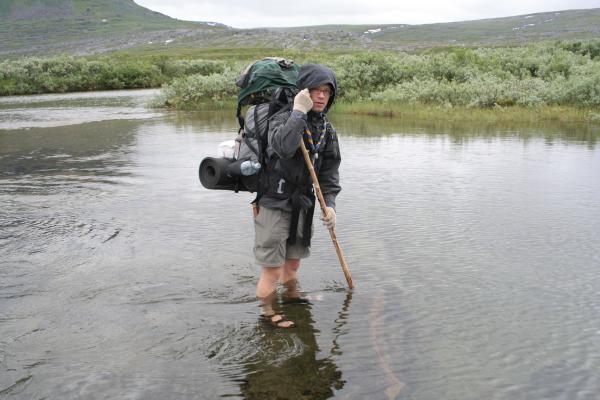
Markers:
(560, 73)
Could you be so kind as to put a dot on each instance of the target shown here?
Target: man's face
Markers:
(320, 97)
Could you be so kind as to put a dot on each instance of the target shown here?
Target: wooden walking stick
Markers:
(315, 182)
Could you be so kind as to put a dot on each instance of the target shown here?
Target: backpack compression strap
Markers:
(238, 114)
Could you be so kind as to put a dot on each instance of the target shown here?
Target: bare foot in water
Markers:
(270, 316)
(292, 293)
(278, 321)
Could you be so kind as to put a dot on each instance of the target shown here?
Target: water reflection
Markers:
(555, 132)
(361, 126)
(269, 362)
(474, 249)
(205, 121)
(40, 159)
(56, 110)
(287, 365)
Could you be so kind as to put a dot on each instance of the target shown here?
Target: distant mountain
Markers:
(45, 27)
(41, 27)
(91, 10)
(522, 29)
(517, 30)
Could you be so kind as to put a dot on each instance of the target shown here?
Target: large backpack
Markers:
(268, 86)
(261, 79)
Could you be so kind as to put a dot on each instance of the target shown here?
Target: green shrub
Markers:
(67, 73)
(180, 68)
(362, 74)
(562, 73)
(192, 90)
(589, 48)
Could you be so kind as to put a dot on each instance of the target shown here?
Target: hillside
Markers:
(517, 30)
(91, 10)
(80, 27)
(36, 27)
(564, 25)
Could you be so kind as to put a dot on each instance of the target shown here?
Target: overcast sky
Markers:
(271, 13)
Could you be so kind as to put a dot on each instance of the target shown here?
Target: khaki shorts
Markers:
(271, 230)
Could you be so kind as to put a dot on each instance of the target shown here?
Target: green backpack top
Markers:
(261, 79)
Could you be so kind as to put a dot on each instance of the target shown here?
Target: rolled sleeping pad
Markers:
(234, 169)
(250, 182)
(213, 175)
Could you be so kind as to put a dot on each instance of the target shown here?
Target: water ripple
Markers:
(475, 262)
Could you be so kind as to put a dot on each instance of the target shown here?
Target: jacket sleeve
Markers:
(285, 133)
(329, 175)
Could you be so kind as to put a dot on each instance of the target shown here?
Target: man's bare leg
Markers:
(289, 279)
(267, 284)
(290, 270)
(265, 291)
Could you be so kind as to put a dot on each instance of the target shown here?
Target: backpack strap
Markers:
(238, 114)
(256, 136)
(301, 206)
(308, 221)
(291, 240)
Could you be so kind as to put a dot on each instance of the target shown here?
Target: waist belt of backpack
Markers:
(302, 203)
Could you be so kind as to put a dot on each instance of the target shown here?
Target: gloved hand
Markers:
(329, 218)
(303, 102)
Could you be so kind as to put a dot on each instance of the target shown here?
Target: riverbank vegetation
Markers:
(555, 76)
(462, 114)
(62, 74)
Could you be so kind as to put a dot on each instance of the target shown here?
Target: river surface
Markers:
(475, 251)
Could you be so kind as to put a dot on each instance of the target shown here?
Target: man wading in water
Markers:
(283, 218)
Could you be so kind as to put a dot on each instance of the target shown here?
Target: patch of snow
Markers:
(104, 20)
(168, 41)
(529, 16)
(373, 30)
(211, 23)
(150, 42)
(548, 20)
(528, 25)
(516, 29)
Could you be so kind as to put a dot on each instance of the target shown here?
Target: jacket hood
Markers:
(314, 75)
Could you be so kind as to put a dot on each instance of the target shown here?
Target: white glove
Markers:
(329, 218)
(303, 102)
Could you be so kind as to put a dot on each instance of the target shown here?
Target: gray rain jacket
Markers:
(286, 176)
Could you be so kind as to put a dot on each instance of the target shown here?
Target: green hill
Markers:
(517, 30)
(81, 27)
(523, 29)
(36, 27)
(509, 31)
(90, 10)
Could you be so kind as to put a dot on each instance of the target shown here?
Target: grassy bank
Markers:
(427, 113)
(451, 114)
(556, 74)
(550, 81)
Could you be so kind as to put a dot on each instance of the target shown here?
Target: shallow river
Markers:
(475, 251)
